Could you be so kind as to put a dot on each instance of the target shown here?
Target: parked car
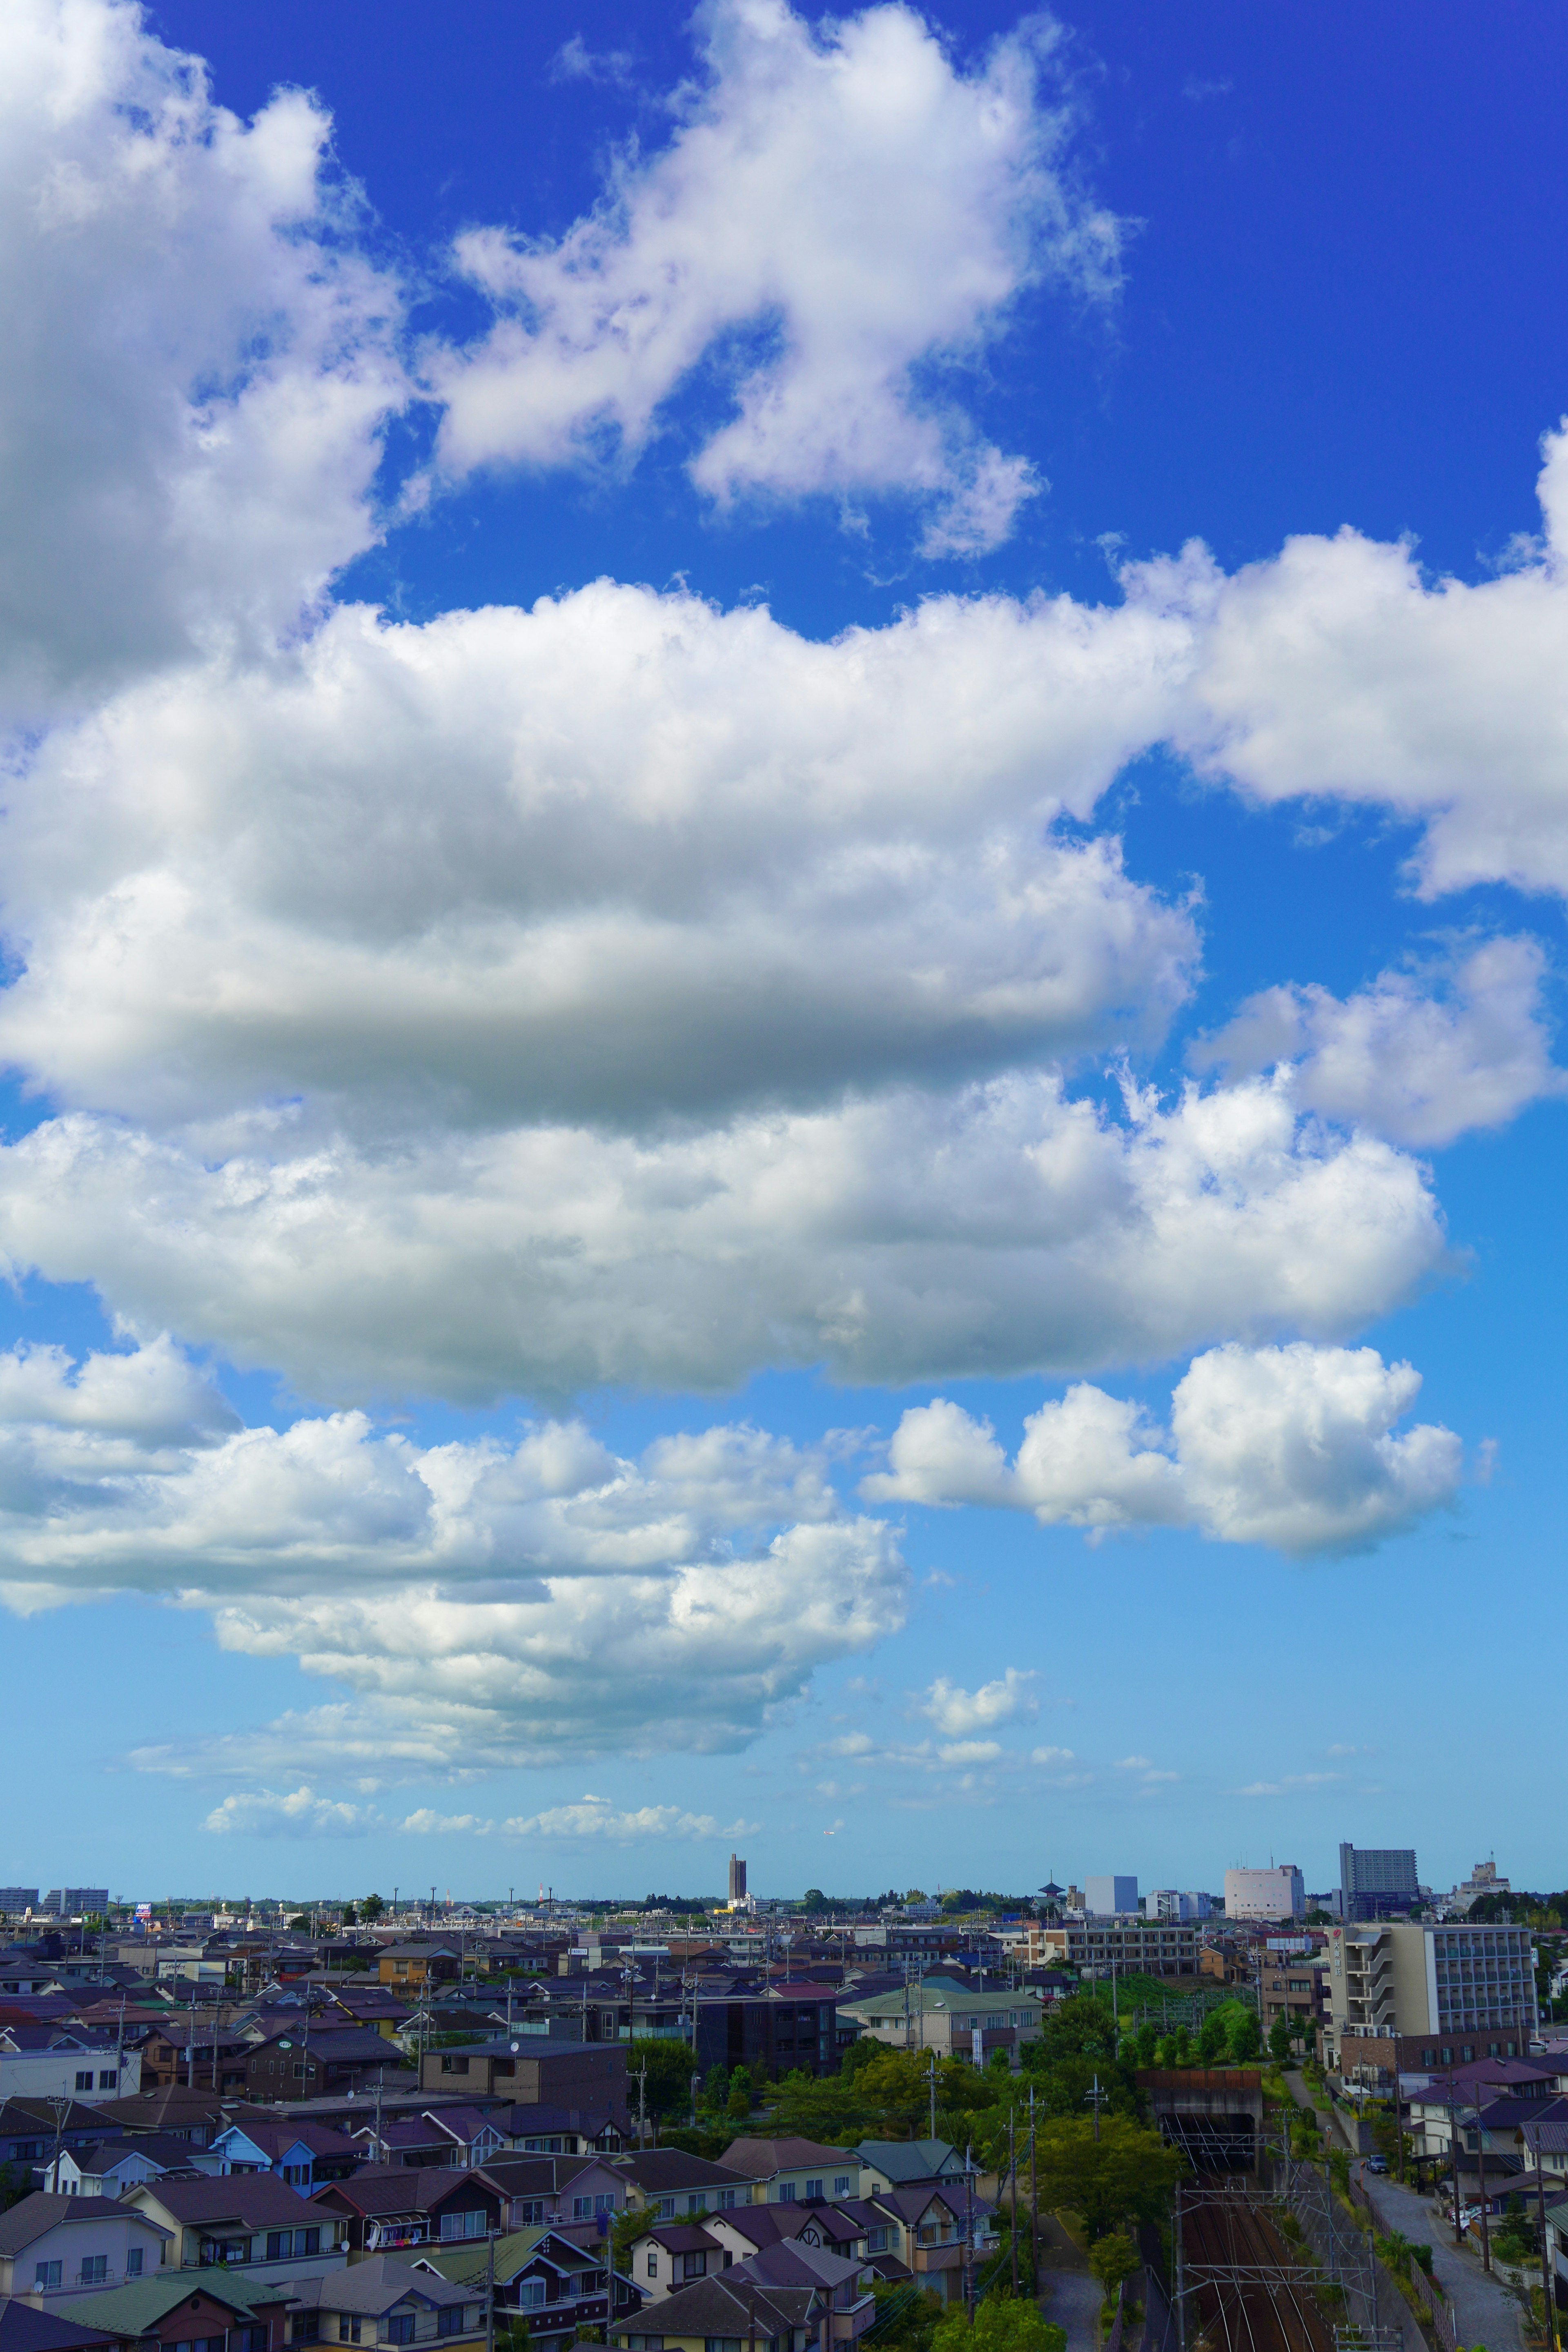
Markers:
(1377, 2164)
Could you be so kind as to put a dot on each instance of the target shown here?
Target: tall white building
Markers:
(1276, 1894)
(1173, 1903)
(1111, 1897)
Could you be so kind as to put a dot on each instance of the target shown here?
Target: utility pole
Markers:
(490, 2290)
(968, 2229)
(1181, 2277)
(1481, 2170)
(931, 2079)
(1012, 2207)
(1034, 2203)
(1095, 2094)
(1546, 2298)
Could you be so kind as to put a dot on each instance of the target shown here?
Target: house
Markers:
(176, 2110)
(561, 2131)
(302, 2155)
(943, 2014)
(725, 2315)
(578, 2194)
(25, 2327)
(385, 2300)
(390, 2207)
(56, 2245)
(410, 1967)
(28, 2128)
(52, 2062)
(180, 2048)
(248, 2222)
(923, 2229)
(167, 2310)
(107, 2167)
(782, 2171)
(549, 2282)
(312, 2061)
(843, 2304)
(583, 2074)
(465, 2137)
(666, 2181)
(899, 2163)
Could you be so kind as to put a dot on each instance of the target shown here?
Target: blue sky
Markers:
(920, 1113)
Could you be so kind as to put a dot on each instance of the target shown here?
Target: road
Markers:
(1485, 2312)
(1072, 2299)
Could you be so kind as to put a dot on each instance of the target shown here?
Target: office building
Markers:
(1280, 1892)
(76, 1902)
(1377, 1880)
(14, 1900)
(1111, 1898)
(737, 1881)
(1407, 1994)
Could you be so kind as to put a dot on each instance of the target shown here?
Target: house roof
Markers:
(273, 2139)
(657, 2171)
(254, 2198)
(791, 2263)
(710, 2306)
(374, 2285)
(136, 2308)
(25, 2328)
(31, 2216)
(760, 2158)
(905, 2160)
(390, 2188)
(685, 2238)
(513, 2254)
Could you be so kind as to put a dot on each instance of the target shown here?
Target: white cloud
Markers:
(595, 1818)
(1337, 669)
(1052, 1755)
(260, 1813)
(487, 1603)
(1000, 1229)
(196, 359)
(426, 1822)
(955, 1711)
(1291, 1446)
(1419, 1067)
(839, 226)
(670, 860)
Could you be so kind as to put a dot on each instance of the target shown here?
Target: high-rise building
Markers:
(75, 1902)
(14, 1900)
(1376, 1880)
(1111, 1897)
(1174, 1902)
(736, 1880)
(1276, 1894)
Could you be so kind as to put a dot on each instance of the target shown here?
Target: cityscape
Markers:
(783, 958)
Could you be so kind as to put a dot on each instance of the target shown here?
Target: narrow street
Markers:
(1072, 2299)
(1485, 2311)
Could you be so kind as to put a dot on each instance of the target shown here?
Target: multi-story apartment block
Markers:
(1160, 1947)
(16, 1900)
(76, 1902)
(1431, 1996)
(1109, 1896)
(1173, 1903)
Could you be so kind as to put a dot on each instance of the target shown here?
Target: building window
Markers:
(348, 2327)
(813, 2191)
(605, 2204)
(253, 2339)
(581, 2209)
(785, 2192)
(94, 2270)
(726, 2200)
(722, 2343)
(841, 2184)
(531, 2296)
(450, 2321)
(107, 2077)
(279, 2245)
(400, 2327)
(666, 2209)
(653, 2265)
(693, 2266)
(133, 2262)
(84, 2082)
(305, 2328)
(451, 2065)
(463, 2225)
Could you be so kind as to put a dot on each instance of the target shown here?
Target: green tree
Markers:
(1211, 2037)
(1002, 2323)
(1112, 2259)
(669, 2072)
(370, 1910)
(351, 1917)
(1127, 2174)
(1245, 2039)
(1280, 2039)
(716, 2089)
(300, 1923)
(738, 2099)
(915, 2322)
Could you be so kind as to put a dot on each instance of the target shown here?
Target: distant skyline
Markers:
(782, 888)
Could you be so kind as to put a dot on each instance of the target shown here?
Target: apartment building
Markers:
(1156, 1948)
(1459, 1994)
(1280, 1892)
(1375, 1880)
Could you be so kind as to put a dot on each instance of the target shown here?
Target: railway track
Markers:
(1250, 2293)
